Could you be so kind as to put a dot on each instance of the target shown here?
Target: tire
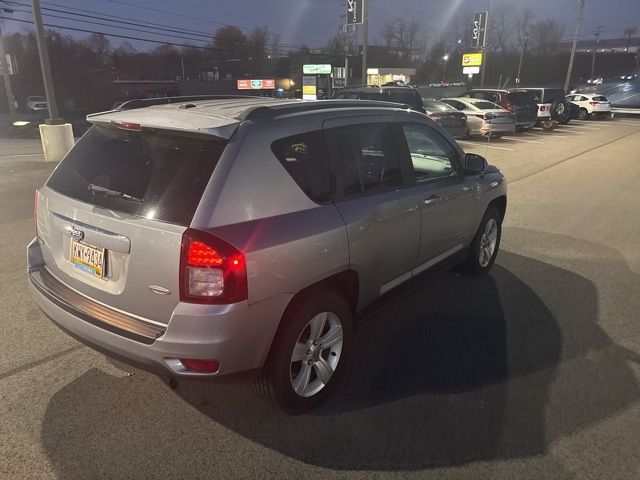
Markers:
(548, 125)
(560, 111)
(473, 265)
(276, 380)
(583, 114)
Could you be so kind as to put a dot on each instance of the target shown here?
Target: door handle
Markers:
(431, 200)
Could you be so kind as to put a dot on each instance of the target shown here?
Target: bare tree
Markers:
(546, 36)
(401, 34)
(257, 42)
(501, 30)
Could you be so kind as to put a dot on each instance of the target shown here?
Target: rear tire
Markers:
(292, 378)
(583, 114)
(485, 244)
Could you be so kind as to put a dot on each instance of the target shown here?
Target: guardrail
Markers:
(626, 111)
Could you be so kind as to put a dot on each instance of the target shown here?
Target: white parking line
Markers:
(542, 136)
(484, 145)
(622, 122)
(572, 127)
(521, 140)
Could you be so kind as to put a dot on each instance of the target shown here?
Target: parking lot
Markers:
(532, 372)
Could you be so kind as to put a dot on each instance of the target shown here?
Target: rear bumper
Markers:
(499, 128)
(238, 335)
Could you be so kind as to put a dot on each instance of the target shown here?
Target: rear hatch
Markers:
(111, 216)
(523, 105)
(600, 104)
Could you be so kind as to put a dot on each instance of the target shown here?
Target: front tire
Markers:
(484, 248)
(308, 353)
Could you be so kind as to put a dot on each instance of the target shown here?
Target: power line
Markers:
(206, 35)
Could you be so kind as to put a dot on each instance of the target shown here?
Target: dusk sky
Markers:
(312, 22)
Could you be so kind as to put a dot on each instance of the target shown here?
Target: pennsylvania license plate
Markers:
(87, 258)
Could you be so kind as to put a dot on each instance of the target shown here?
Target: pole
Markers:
(45, 65)
(484, 50)
(595, 49)
(365, 34)
(573, 47)
(4, 66)
(182, 63)
(444, 69)
(522, 47)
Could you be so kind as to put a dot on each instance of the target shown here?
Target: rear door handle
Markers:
(431, 200)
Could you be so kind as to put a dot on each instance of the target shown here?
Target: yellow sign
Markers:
(472, 59)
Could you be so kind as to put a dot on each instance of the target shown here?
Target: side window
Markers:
(304, 157)
(477, 95)
(365, 158)
(431, 155)
(455, 104)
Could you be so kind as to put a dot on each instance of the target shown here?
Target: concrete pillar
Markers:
(57, 140)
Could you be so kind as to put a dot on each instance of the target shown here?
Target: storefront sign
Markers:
(268, 84)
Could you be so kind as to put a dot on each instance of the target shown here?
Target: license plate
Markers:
(87, 258)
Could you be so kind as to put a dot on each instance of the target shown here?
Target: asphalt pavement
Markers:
(532, 372)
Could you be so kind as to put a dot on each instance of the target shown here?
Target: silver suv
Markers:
(206, 237)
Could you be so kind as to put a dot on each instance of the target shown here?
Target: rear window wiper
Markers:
(113, 193)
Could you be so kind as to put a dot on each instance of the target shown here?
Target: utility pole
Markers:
(484, 50)
(365, 35)
(573, 47)
(595, 49)
(45, 66)
(4, 66)
(522, 49)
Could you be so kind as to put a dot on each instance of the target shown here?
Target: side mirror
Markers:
(475, 164)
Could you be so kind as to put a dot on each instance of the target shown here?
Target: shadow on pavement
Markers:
(456, 370)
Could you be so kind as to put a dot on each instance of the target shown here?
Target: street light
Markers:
(445, 57)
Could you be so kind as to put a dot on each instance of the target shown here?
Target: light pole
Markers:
(4, 66)
(445, 57)
(484, 50)
(522, 49)
(573, 47)
(365, 40)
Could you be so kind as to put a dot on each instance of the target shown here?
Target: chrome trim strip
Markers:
(93, 312)
(395, 282)
(437, 259)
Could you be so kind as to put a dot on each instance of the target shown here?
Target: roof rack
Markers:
(148, 102)
(272, 111)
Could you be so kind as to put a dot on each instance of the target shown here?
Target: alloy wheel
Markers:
(488, 242)
(316, 354)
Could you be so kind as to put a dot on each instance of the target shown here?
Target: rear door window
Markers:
(522, 98)
(365, 158)
(600, 99)
(304, 157)
(164, 172)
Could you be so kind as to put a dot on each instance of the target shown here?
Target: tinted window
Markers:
(167, 171)
(491, 96)
(435, 106)
(485, 105)
(600, 99)
(305, 159)
(405, 96)
(522, 98)
(365, 158)
(431, 155)
(553, 94)
(456, 104)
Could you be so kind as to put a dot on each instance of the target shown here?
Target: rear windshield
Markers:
(167, 171)
(600, 99)
(435, 106)
(522, 98)
(410, 98)
(485, 105)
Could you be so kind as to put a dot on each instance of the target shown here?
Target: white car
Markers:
(590, 105)
(484, 117)
(595, 81)
(36, 104)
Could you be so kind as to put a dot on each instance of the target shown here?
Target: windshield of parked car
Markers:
(522, 98)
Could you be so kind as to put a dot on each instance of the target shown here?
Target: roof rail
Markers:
(148, 102)
(272, 111)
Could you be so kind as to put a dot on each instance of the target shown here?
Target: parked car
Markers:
(519, 102)
(591, 105)
(209, 237)
(595, 81)
(484, 117)
(553, 108)
(36, 104)
(387, 93)
(628, 76)
(449, 118)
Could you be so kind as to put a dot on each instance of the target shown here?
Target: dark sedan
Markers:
(449, 118)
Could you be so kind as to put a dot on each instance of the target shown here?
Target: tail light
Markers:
(543, 108)
(435, 117)
(509, 107)
(133, 127)
(593, 103)
(201, 366)
(211, 270)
